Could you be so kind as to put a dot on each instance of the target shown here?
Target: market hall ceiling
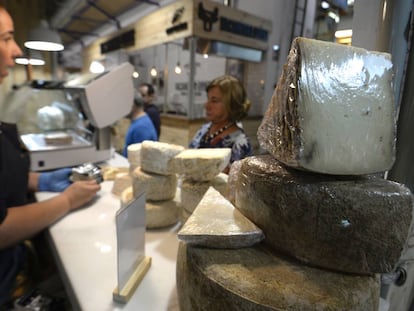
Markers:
(79, 21)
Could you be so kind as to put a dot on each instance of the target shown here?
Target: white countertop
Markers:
(85, 247)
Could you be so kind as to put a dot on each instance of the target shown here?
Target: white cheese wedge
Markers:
(216, 223)
(333, 110)
(201, 164)
(193, 191)
(352, 224)
(156, 156)
(253, 278)
(156, 187)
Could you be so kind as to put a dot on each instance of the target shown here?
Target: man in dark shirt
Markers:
(147, 92)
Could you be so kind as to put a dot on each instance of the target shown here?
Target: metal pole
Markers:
(191, 80)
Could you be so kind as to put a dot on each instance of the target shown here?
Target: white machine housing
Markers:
(104, 99)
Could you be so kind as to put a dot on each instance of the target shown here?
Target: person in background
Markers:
(148, 93)
(141, 127)
(21, 218)
(226, 106)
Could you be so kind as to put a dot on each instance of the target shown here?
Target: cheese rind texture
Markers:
(253, 278)
(216, 223)
(156, 187)
(343, 223)
(156, 156)
(160, 214)
(202, 164)
(232, 180)
(134, 156)
(332, 111)
(121, 182)
(193, 191)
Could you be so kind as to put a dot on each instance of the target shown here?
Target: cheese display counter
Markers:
(84, 245)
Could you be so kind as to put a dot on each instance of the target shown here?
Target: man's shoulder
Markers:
(151, 108)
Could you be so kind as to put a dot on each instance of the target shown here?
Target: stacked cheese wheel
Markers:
(200, 169)
(155, 177)
(331, 223)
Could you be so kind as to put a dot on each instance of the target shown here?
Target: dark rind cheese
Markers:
(343, 223)
(333, 110)
(252, 278)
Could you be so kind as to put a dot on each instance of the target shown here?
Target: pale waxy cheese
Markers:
(333, 110)
(202, 164)
(217, 223)
(156, 187)
(156, 156)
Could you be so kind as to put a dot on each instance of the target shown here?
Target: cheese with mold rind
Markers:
(253, 278)
(202, 164)
(353, 224)
(156, 156)
(156, 187)
(333, 110)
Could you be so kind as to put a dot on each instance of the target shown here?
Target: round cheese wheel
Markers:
(161, 214)
(344, 223)
(253, 278)
(156, 187)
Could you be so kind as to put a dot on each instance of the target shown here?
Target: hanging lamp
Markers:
(30, 57)
(177, 68)
(44, 38)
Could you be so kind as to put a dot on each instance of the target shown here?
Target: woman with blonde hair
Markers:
(226, 106)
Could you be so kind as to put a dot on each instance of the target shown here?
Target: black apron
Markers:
(14, 174)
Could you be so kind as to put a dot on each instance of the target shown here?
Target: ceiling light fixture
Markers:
(31, 57)
(325, 5)
(153, 71)
(43, 38)
(334, 16)
(96, 67)
(344, 33)
(177, 68)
